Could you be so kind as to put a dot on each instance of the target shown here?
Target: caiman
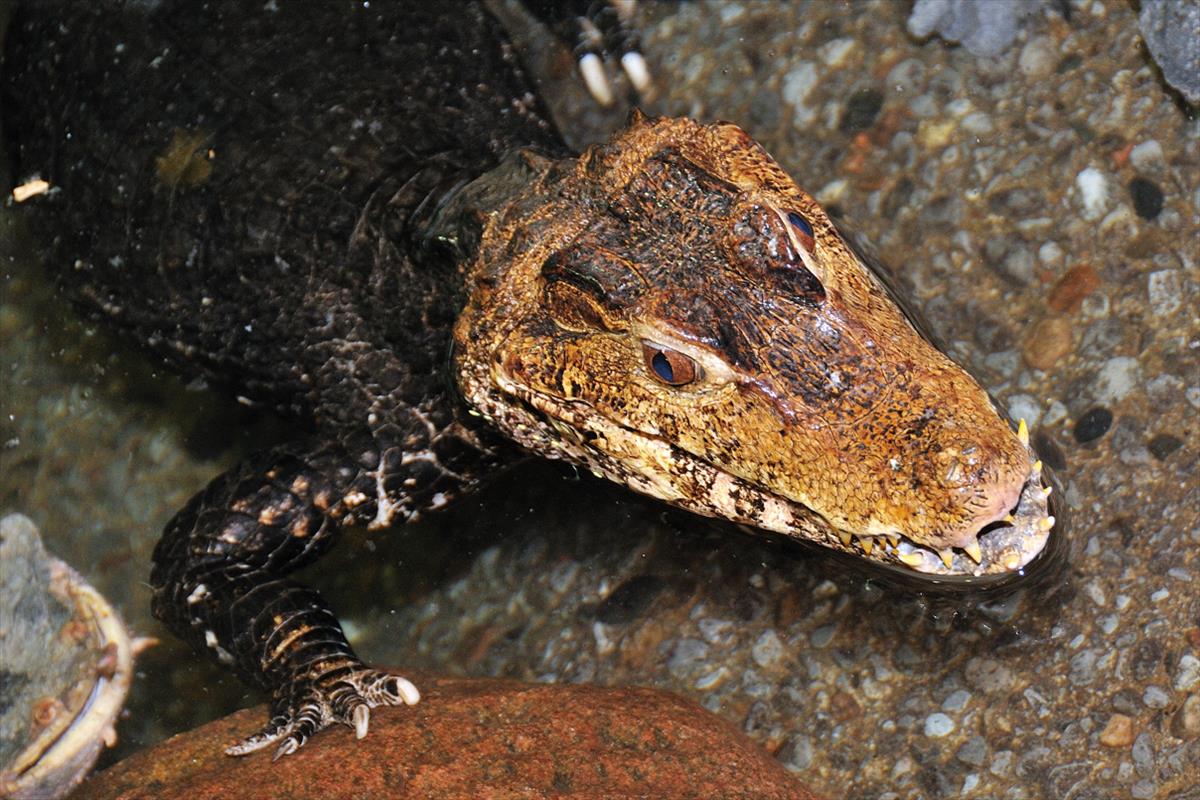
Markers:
(362, 216)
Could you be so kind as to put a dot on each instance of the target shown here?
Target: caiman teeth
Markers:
(913, 559)
(1023, 432)
(1046, 491)
(1037, 467)
(947, 557)
(845, 536)
(868, 544)
(894, 539)
(1046, 523)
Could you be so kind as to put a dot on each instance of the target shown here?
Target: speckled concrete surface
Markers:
(1044, 207)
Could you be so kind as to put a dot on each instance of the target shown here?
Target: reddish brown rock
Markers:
(1071, 289)
(479, 739)
(1048, 342)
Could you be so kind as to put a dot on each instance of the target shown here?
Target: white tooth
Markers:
(1023, 432)
(592, 69)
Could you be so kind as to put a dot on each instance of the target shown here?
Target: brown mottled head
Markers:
(673, 312)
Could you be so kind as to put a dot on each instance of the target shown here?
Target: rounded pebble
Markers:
(1154, 697)
(1093, 192)
(1147, 198)
(1117, 378)
(1147, 157)
(938, 725)
(1188, 676)
(1094, 423)
(1118, 732)
(1048, 342)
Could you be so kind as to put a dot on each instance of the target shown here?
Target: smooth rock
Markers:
(473, 738)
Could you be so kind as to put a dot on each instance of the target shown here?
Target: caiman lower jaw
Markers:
(653, 466)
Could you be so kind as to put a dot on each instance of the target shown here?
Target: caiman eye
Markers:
(803, 230)
(669, 366)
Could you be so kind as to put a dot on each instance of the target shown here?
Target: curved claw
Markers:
(303, 710)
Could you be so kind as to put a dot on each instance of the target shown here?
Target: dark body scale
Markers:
(297, 274)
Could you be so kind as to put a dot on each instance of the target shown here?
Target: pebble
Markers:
(1188, 676)
(834, 53)
(767, 650)
(973, 752)
(1147, 157)
(1186, 724)
(957, 700)
(1117, 378)
(1118, 732)
(1163, 445)
(798, 83)
(1094, 423)
(861, 110)
(1026, 407)
(1143, 754)
(988, 675)
(1038, 57)
(1048, 342)
(1070, 290)
(1147, 197)
(686, 654)
(1093, 192)
(1144, 790)
(938, 725)
(1154, 697)
(797, 754)
(1165, 288)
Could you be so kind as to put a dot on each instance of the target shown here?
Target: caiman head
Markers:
(672, 312)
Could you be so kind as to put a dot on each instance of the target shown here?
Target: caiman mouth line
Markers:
(1003, 548)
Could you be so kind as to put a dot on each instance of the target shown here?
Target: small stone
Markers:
(834, 53)
(1026, 407)
(1165, 290)
(957, 700)
(1070, 290)
(1093, 192)
(1154, 697)
(1163, 445)
(1147, 157)
(1118, 732)
(767, 650)
(1147, 197)
(1143, 754)
(1188, 676)
(1186, 723)
(938, 725)
(861, 110)
(686, 656)
(1144, 790)
(1094, 423)
(799, 82)
(1048, 342)
(988, 675)
(797, 754)
(974, 752)
(1117, 378)
(1038, 57)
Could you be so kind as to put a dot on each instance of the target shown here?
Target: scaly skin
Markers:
(817, 410)
(314, 233)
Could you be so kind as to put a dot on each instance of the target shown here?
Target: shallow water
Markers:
(968, 174)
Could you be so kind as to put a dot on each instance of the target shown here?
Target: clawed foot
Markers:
(344, 695)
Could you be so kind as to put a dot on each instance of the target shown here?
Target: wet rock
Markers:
(630, 600)
(474, 738)
(985, 29)
(861, 110)
(1094, 423)
(1117, 378)
(1170, 29)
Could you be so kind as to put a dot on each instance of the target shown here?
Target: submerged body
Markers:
(398, 250)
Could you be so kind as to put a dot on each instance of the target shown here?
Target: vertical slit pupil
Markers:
(662, 367)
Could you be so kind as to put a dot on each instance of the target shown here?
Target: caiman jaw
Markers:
(672, 312)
